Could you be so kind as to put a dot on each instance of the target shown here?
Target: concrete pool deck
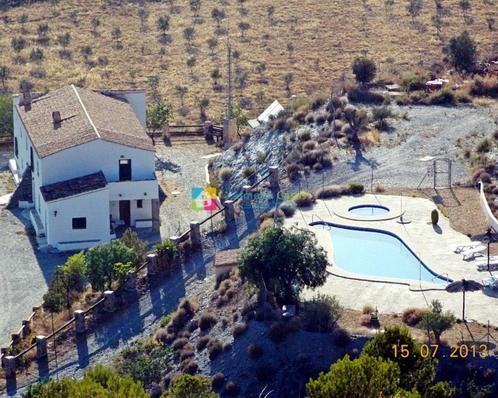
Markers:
(433, 245)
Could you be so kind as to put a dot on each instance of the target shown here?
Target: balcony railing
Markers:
(133, 190)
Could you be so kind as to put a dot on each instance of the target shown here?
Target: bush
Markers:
(254, 351)
(224, 173)
(304, 135)
(165, 319)
(462, 51)
(178, 344)
(331, 191)
(309, 145)
(293, 171)
(278, 332)
(414, 82)
(248, 171)
(364, 69)
(412, 316)
(202, 342)
(217, 380)
(310, 118)
(186, 355)
(288, 208)
(179, 319)
(484, 146)
(442, 97)
(303, 199)
(190, 367)
(368, 309)
(485, 86)
(321, 313)
(207, 321)
(356, 188)
(232, 388)
(214, 348)
(434, 217)
(364, 96)
(238, 330)
(341, 337)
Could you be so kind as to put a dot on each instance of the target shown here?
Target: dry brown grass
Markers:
(325, 39)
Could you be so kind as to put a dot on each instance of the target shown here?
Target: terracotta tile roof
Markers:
(86, 116)
(74, 186)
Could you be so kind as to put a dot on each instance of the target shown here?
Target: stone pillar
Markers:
(229, 132)
(79, 321)
(195, 233)
(3, 354)
(152, 264)
(26, 328)
(131, 282)
(274, 178)
(109, 301)
(41, 347)
(16, 339)
(229, 211)
(208, 125)
(10, 367)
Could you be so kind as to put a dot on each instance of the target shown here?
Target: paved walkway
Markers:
(24, 273)
(433, 245)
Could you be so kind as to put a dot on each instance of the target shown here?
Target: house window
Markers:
(124, 169)
(32, 163)
(79, 223)
(140, 204)
(16, 147)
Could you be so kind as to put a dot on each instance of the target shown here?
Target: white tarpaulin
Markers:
(273, 110)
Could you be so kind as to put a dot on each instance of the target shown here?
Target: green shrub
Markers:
(310, 118)
(356, 188)
(303, 199)
(341, 337)
(484, 146)
(442, 97)
(414, 82)
(232, 388)
(368, 309)
(207, 321)
(165, 320)
(364, 96)
(278, 332)
(331, 191)
(309, 145)
(412, 316)
(239, 329)
(320, 119)
(214, 348)
(202, 342)
(248, 171)
(485, 86)
(224, 173)
(255, 351)
(304, 134)
(187, 385)
(434, 217)
(293, 171)
(321, 313)
(288, 207)
(217, 380)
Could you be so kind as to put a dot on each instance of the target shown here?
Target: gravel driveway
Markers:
(24, 273)
(180, 168)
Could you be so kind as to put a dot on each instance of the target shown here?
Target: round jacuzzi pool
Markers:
(368, 210)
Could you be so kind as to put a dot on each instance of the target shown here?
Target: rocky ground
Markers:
(416, 132)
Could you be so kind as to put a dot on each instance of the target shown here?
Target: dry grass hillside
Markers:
(314, 41)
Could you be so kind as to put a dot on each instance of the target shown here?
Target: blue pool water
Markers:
(368, 210)
(371, 252)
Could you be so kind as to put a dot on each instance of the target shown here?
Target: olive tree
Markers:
(462, 51)
(284, 261)
(364, 70)
(437, 321)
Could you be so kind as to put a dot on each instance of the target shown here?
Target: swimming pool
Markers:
(376, 253)
(368, 210)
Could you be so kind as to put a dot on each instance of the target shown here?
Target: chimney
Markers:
(56, 118)
(26, 100)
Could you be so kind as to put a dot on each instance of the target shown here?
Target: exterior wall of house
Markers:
(94, 206)
(23, 140)
(94, 156)
(145, 213)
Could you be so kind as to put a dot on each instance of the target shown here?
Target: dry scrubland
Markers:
(316, 42)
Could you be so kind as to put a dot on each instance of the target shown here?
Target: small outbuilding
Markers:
(225, 260)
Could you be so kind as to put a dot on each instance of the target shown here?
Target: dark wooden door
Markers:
(125, 212)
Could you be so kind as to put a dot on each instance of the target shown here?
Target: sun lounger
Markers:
(473, 252)
(484, 260)
(484, 266)
(461, 248)
(490, 283)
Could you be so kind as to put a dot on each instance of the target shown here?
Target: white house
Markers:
(90, 162)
